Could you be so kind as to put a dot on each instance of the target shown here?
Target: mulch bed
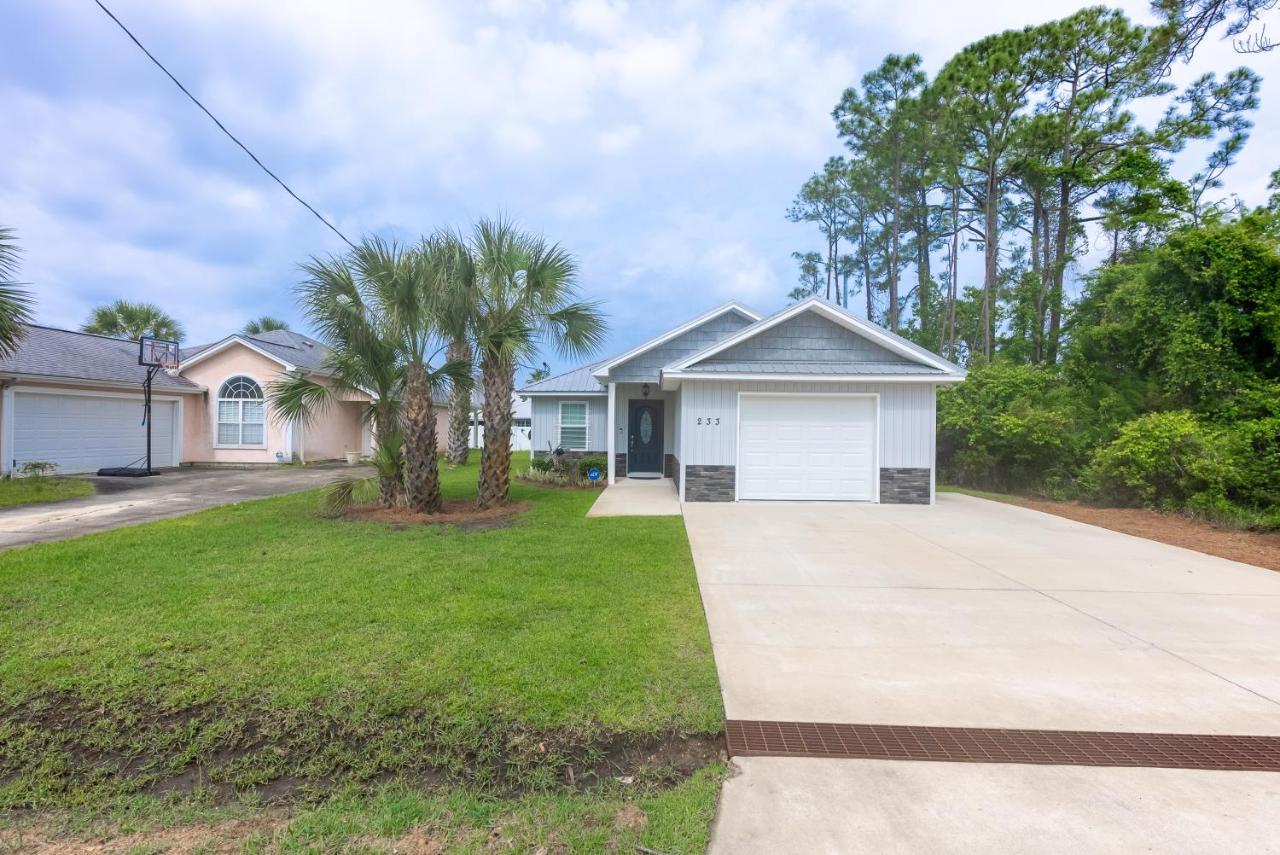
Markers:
(463, 513)
(1260, 548)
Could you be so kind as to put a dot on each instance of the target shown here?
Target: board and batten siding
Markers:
(546, 421)
(907, 431)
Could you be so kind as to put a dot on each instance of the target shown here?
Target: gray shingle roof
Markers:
(50, 352)
(578, 380)
(851, 368)
(294, 348)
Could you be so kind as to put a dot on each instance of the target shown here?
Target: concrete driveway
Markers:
(129, 501)
(977, 614)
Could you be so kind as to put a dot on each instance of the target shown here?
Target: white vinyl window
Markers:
(241, 414)
(573, 425)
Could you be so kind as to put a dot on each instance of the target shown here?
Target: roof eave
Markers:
(63, 380)
(671, 379)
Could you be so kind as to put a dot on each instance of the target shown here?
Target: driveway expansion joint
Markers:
(1003, 745)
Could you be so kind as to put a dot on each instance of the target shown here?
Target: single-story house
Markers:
(75, 399)
(811, 403)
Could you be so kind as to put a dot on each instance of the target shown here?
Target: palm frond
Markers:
(298, 400)
(346, 493)
(16, 303)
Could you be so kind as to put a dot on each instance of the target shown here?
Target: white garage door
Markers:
(83, 433)
(815, 447)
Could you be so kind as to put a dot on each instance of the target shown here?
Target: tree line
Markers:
(1024, 144)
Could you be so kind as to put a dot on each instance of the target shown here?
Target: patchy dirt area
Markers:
(281, 757)
(463, 514)
(1259, 548)
(220, 837)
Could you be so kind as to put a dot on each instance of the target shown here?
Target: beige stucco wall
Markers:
(333, 433)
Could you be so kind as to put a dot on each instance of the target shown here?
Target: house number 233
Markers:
(708, 420)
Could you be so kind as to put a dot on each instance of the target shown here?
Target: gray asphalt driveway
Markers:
(129, 501)
(978, 614)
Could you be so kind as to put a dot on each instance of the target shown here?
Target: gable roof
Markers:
(914, 359)
(57, 355)
(601, 371)
(292, 350)
(888, 355)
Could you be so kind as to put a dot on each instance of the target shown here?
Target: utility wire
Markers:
(221, 126)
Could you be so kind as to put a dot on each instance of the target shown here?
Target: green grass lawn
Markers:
(450, 677)
(26, 491)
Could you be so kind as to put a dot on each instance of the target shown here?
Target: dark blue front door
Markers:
(644, 437)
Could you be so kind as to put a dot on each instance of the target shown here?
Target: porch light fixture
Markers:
(644, 390)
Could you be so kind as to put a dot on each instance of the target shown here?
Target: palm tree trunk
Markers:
(495, 458)
(422, 472)
(388, 482)
(459, 408)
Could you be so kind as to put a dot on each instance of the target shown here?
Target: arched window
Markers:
(241, 413)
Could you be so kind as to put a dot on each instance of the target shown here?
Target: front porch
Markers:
(641, 434)
(638, 497)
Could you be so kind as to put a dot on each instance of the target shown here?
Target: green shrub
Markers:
(540, 464)
(597, 461)
(1007, 427)
(1163, 460)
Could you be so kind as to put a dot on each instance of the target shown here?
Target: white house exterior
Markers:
(811, 403)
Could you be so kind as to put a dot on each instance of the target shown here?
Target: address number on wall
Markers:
(709, 421)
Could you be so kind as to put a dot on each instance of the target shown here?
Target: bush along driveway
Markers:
(546, 680)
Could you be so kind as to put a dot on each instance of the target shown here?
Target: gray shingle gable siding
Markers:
(644, 367)
(810, 344)
(84, 357)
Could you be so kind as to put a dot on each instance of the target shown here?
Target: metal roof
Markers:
(578, 380)
(84, 357)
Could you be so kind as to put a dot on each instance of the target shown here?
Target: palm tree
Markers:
(364, 357)
(266, 323)
(15, 303)
(458, 273)
(525, 294)
(409, 286)
(123, 319)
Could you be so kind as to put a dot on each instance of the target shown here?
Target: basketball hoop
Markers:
(157, 352)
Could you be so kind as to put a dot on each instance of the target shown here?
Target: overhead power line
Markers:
(222, 127)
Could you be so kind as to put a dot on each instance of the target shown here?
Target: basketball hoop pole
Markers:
(146, 409)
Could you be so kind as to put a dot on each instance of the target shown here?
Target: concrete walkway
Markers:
(129, 501)
(977, 614)
(638, 497)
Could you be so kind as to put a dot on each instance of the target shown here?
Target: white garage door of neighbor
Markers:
(814, 447)
(83, 433)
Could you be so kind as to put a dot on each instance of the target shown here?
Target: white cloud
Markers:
(618, 138)
(660, 142)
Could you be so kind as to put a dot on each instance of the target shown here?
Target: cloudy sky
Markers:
(661, 142)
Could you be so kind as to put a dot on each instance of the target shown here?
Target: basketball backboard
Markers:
(159, 352)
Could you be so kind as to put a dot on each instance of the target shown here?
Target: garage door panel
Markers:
(83, 433)
(807, 447)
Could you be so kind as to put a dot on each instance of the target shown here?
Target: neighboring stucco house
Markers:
(75, 399)
(811, 403)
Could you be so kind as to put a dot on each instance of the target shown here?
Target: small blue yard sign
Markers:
(594, 473)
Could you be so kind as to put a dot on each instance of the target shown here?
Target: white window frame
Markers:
(586, 425)
(217, 413)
